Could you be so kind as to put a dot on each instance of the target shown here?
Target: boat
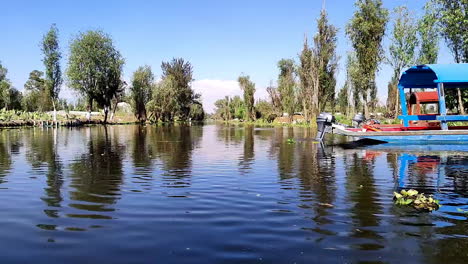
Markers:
(419, 85)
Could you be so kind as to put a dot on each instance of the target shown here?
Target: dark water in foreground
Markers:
(217, 194)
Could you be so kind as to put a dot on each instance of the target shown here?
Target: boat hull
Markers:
(418, 136)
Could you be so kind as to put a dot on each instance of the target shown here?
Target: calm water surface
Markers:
(221, 194)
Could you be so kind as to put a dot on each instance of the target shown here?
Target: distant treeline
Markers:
(95, 71)
(308, 86)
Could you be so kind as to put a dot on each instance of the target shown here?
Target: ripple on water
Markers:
(221, 194)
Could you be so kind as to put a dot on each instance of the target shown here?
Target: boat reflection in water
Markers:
(431, 167)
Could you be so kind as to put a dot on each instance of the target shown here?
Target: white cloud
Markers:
(212, 90)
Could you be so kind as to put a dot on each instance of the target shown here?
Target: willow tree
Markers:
(286, 86)
(402, 52)
(95, 69)
(453, 19)
(181, 72)
(51, 60)
(142, 84)
(366, 31)
(428, 31)
(248, 87)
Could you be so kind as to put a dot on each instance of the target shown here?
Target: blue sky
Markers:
(221, 39)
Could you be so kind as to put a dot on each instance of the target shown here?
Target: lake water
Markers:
(224, 194)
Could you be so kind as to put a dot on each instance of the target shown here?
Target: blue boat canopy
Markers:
(429, 75)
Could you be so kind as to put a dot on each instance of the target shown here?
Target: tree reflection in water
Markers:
(96, 175)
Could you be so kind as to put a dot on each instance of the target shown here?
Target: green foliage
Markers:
(354, 80)
(249, 90)
(10, 98)
(265, 110)
(416, 200)
(181, 73)
(343, 99)
(306, 82)
(428, 31)
(53, 72)
(366, 31)
(230, 108)
(325, 55)
(95, 68)
(142, 84)
(173, 98)
(453, 19)
(286, 85)
(164, 106)
(196, 112)
(402, 51)
(15, 115)
(35, 96)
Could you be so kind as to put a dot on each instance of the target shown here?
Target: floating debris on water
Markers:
(326, 205)
(416, 200)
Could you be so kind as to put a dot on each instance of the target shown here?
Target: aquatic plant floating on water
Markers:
(416, 200)
(290, 141)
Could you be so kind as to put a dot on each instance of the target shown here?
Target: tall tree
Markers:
(248, 87)
(453, 18)
(181, 72)
(428, 31)
(286, 86)
(34, 92)
(454, 23)
(142, 84)
(353, 80)
(366, 31)
(163, 105)
(325, 42)
(5, 87)
(53, 72)
(342, 99)
(274, 98)
(305, 79)
(95, 68)
(402, 52)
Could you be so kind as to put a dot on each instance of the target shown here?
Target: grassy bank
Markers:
(15, 118)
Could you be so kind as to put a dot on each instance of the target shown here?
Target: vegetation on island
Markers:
(305, 86)
(416, 200)
(308, 86)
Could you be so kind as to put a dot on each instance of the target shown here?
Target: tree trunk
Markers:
(90, 106)
(397, 101)
(114, 109)
(55, 111)
(106, 111)
(460, 102)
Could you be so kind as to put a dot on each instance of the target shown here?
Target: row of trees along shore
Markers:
(94, 70)
(309, 85)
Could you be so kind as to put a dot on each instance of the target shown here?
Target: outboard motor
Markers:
(358, 119)
(324, 121)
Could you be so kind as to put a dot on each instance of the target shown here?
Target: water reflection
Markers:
(97, 174)
(9, 145)
(163, 188)
(42, 154)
